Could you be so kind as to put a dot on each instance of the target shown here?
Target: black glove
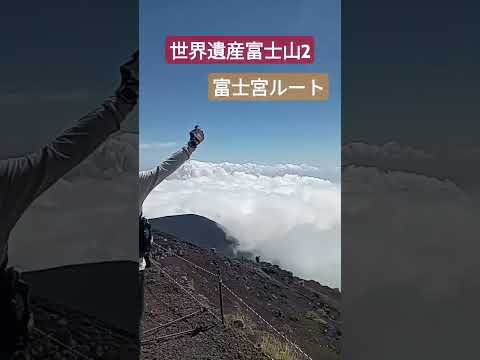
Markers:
(196, 137)
(128, 90)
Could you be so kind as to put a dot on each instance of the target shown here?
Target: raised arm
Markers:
(23, 179)
(149, 179)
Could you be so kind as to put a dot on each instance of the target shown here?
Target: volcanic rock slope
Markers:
(61, 332)
(306, 312)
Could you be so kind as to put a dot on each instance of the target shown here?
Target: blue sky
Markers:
(174, 97)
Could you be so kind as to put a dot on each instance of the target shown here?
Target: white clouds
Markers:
(117, 156)
(391, 151)
(374, 180)
(391, 156)
(275, 211)
(447, 162)
(197, 168)
(157, 145)
(78, 222)
(413, 225)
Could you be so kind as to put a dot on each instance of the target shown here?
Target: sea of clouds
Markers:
(285, 213)
(416, 216)
(410, 247)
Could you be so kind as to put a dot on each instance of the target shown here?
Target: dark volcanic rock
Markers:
(306, 311)
(197, 230)
(208, 339)
(64, 333)
(98, 289)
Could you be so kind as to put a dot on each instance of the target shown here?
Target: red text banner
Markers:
(240, 49)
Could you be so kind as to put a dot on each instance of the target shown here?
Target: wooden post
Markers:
(220, 294)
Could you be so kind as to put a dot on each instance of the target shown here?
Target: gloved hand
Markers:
(196, 137)
(128, 89)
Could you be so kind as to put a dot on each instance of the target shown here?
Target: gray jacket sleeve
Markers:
(149, 179)
(23, 179)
